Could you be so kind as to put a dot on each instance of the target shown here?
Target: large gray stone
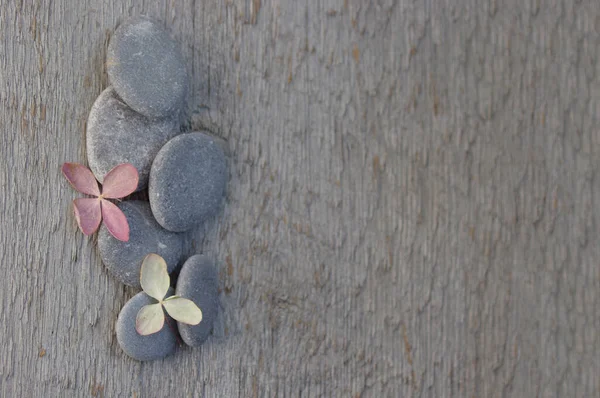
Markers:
(117, 134)
(198, 281)
(187, 181)
(124, 259)
(144, 348)
(146, 67)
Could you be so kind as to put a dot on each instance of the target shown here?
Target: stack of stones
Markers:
(136, 120)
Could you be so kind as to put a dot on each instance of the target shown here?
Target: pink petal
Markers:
(121, 181)
(81, 178)
(88, 214)
(115, 221)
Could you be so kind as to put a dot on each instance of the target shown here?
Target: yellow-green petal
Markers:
(183, 310)
(154, 277)
(150, 319)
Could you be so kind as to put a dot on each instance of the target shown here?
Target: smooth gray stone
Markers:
(144, 348)
(187, 181)
(146, 67)
(198, 281)
(124, 259)
(117, 134)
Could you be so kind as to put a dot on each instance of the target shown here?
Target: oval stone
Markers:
(117, 134)
(124, 259)
(144, 348)
(198, 281)
(187, 181)
(146, 67)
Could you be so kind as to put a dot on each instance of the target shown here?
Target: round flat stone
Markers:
(124, 259)
(187, 181)
(146, 67)
(116, 134)
(198, 281)
(144, 348)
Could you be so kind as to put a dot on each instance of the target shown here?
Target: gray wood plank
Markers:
(412, 207)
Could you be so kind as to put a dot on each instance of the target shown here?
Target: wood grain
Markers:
(413, 208)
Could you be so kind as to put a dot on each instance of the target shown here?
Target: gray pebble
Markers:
(198, 281)
(116, 134)
(124, 259)
(146, 67)
(187, 181)
(144, 348)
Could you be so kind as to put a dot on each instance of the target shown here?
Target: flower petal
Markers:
(150, 319)
(81, 178)
(183, 310)
(87, 214)
(115, 220)
(154, 277)
(121, 181)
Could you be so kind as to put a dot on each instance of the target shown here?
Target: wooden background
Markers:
(412, 212)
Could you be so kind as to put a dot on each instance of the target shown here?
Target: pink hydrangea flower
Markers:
(121, 181)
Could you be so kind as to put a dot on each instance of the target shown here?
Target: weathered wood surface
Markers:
(413, 207)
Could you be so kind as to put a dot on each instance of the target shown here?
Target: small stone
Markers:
(146, 67)
(116, 134)
(144, 348)
(198, 281)
(187, 181)
(124, 259)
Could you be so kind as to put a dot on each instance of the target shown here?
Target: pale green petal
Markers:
(150, 319)
(183, 310)
(154, 277)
